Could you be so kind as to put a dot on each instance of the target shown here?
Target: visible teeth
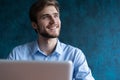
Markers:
(53, 28)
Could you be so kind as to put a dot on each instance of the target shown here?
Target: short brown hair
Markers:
(39, 5)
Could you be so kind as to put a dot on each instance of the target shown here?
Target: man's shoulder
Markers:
(72, 51)
(70, 47)
(26, 45)
(22, 51)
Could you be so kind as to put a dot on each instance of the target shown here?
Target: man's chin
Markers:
(49, 36)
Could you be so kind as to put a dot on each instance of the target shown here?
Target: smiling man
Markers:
(47, 25)
(45, 19)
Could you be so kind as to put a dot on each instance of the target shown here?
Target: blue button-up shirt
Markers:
(62, 52)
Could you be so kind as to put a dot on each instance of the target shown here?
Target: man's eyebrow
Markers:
(44, 15)
(49, 14)
(56, 13)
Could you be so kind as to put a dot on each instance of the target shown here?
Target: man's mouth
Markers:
(53, 27)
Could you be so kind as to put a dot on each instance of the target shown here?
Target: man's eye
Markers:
(44, 17)
(56, 15)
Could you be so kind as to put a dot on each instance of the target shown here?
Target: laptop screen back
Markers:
(34, 70)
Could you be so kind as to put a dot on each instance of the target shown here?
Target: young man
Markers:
(44, 15)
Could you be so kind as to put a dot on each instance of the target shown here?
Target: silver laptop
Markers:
(34, 70)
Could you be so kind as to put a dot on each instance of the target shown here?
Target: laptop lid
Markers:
(34, 70)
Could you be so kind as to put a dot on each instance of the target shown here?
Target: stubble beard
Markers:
(45, 34)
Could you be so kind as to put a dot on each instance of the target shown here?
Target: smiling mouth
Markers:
(53, 27)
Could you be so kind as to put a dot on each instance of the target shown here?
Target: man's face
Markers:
(48, 22)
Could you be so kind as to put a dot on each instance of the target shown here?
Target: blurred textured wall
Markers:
(91, 25)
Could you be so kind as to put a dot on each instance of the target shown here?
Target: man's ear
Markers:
(34, 25)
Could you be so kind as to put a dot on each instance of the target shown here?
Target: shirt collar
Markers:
(58, 49)
(35, 48)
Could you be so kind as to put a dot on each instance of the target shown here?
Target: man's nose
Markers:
(52, 20)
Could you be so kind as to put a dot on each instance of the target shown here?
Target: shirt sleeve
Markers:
(81, 68)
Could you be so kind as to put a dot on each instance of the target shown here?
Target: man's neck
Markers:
(47, 45)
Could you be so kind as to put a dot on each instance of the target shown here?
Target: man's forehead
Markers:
(49, 10)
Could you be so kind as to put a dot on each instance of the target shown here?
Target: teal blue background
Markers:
(91, 25)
